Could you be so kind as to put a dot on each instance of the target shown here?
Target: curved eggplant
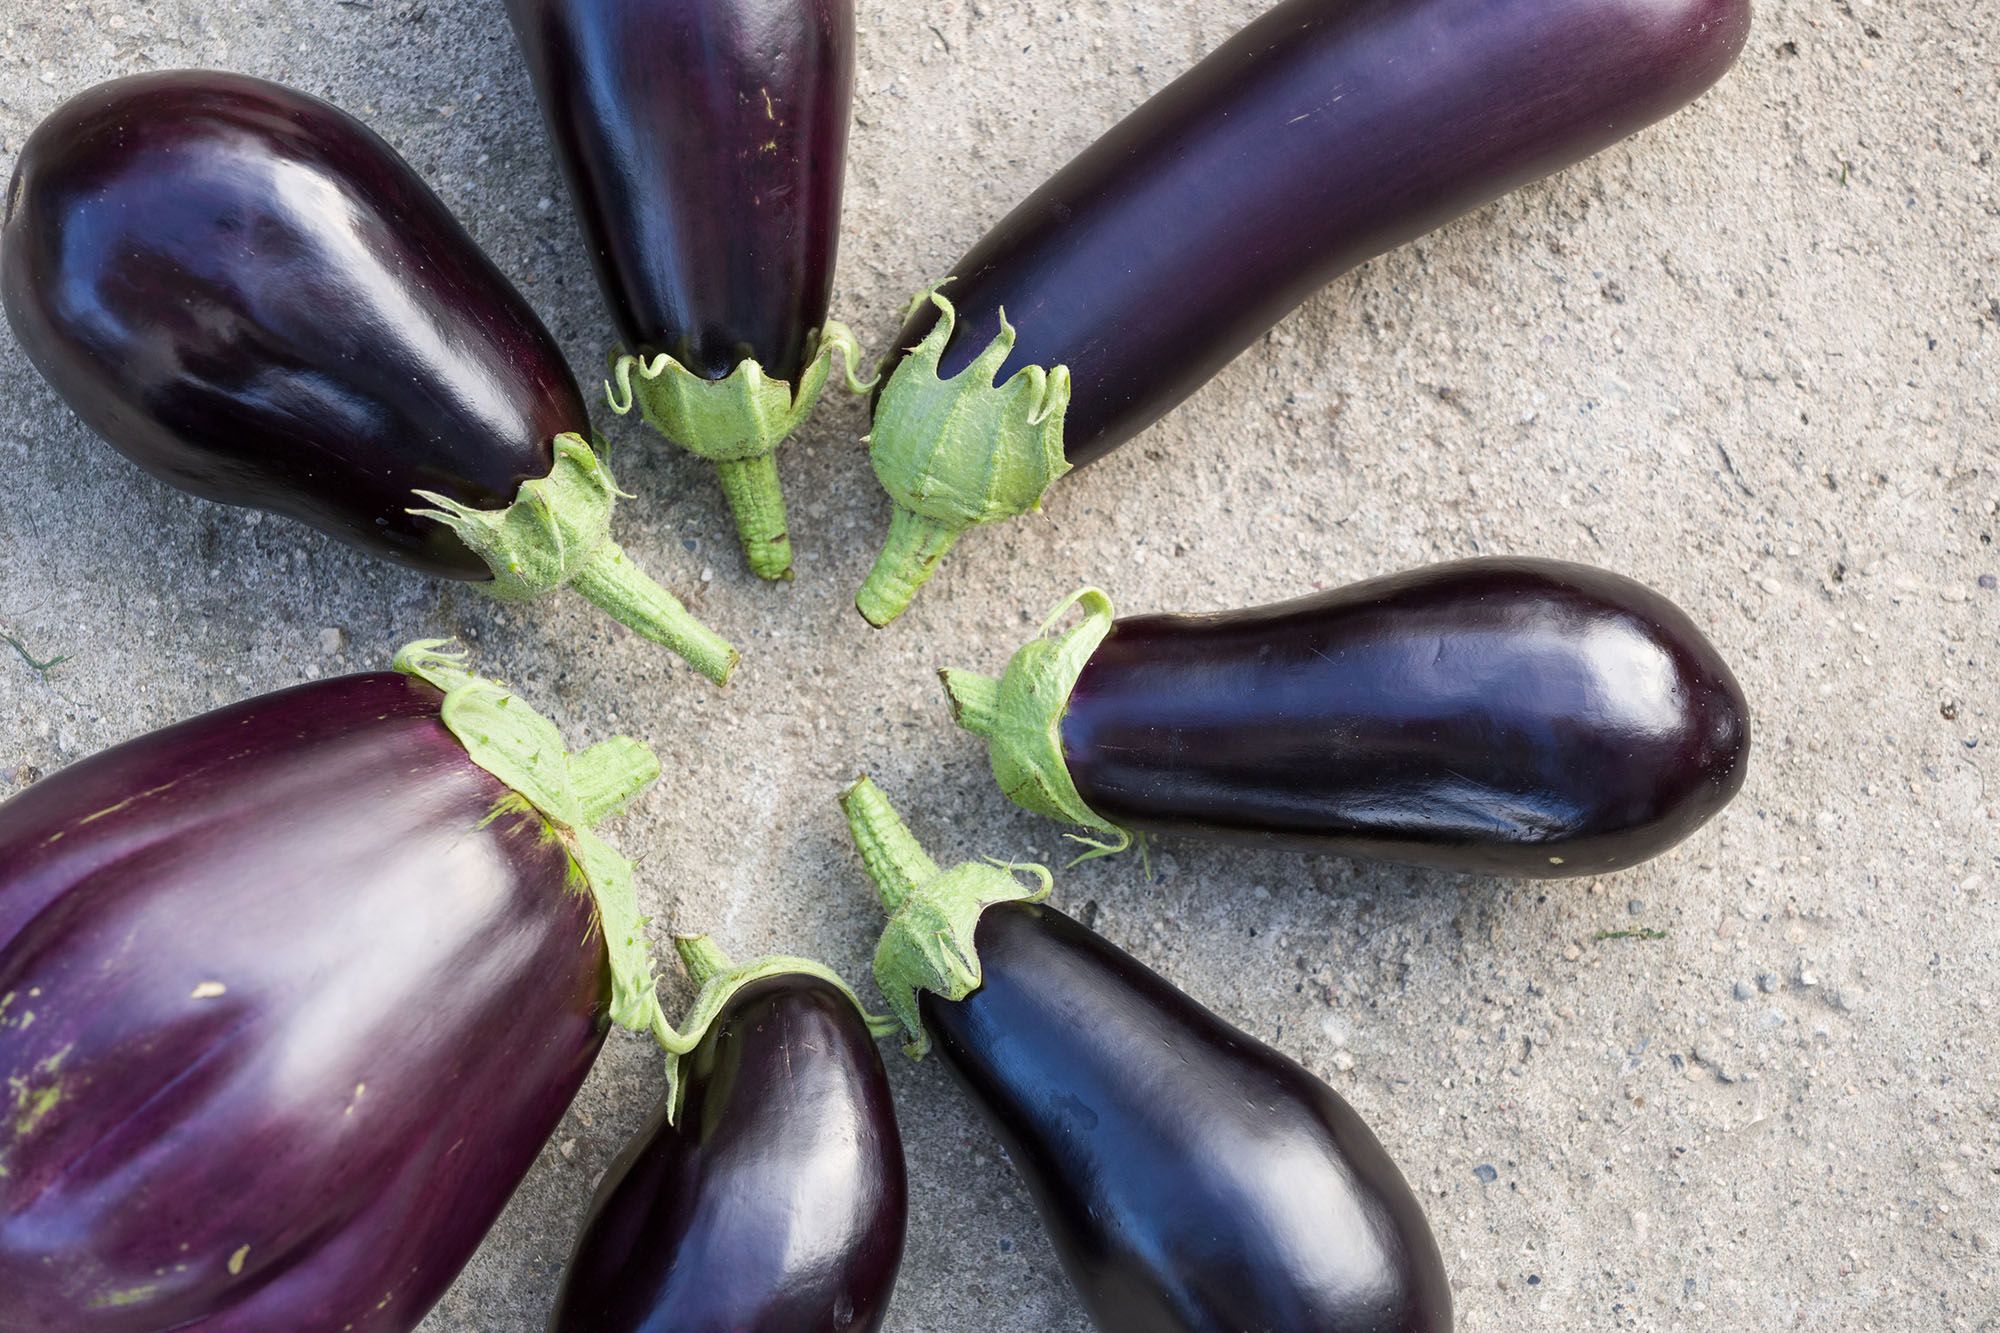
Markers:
(291, 995)
(251, 296)
(706, 147)
(1324, 133)
(767, 1195)
(1192, 1179)
(1505, 717)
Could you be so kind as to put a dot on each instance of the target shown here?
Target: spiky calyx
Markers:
(558, 532)
(1020, 716)
(956, 453)
(933, 913)
(572, 793)
(737, 423)
(719, 979)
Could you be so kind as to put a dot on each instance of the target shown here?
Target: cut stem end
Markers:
(909, 557)
(622, 590)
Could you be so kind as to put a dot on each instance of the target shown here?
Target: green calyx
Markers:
(558, 532)
(737, 423)
(572, 793)
(955, 453)
(933, 913)
(1020, 716)
(719, 979)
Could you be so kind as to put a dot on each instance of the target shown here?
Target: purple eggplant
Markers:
(1192, 1179)
(1503, 717)
(767, 1194)
(254, 298)
(291, 995)
(706, 146)
(1323, 134)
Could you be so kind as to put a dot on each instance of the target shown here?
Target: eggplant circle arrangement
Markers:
(216, 1113)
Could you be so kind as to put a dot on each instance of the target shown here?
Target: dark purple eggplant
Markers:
(1504, 717)
(292, 994)
(1192, 1179)
(767, 1194)
(1323, 134)
(254, 298)
(705, 147)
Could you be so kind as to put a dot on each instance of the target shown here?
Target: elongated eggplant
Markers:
(291, 995)
(767, 1194)
(1192, 1179)
(1506, 717)
(706, 146)
(254, 298)
(1323, 134)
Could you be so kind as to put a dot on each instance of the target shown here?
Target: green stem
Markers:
(757, 502)
(930, 941)
(975, 700)
(619, 587)
(894, 859)
(702, 957)
(909, 557)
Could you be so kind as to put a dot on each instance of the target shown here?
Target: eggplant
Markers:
(1321, 135)
(705, 147)
(1192, 1179)
(292, 994)
(767, 1194)
(1501, 717)
(251, 296)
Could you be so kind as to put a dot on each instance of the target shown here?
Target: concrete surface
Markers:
(1748, 357)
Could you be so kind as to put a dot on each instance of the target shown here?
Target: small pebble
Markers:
(1989, 582)
(1635, 907)
(1767, 982)
(333, 641)
(1744, 990)
(1343, 1062)
(1487, 1175)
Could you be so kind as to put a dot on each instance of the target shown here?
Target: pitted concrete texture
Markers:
(1748, 357)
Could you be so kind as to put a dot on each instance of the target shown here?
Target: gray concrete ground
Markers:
(1748, 357)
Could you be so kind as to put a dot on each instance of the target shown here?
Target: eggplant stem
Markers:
(909, 557)
(895, 860)
(757, 503)
(612, 582)
(929, 943)
(702, 958)
(975, 700)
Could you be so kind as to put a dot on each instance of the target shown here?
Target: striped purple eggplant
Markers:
(705, 146)
(1323, 134)
(291, 995)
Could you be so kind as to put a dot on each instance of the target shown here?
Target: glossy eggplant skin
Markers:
(776, 1203)
(1323, 134)
(251, 296)
(1509, 717)
(286, 1013)
(1192, 1179)
(706, 148)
